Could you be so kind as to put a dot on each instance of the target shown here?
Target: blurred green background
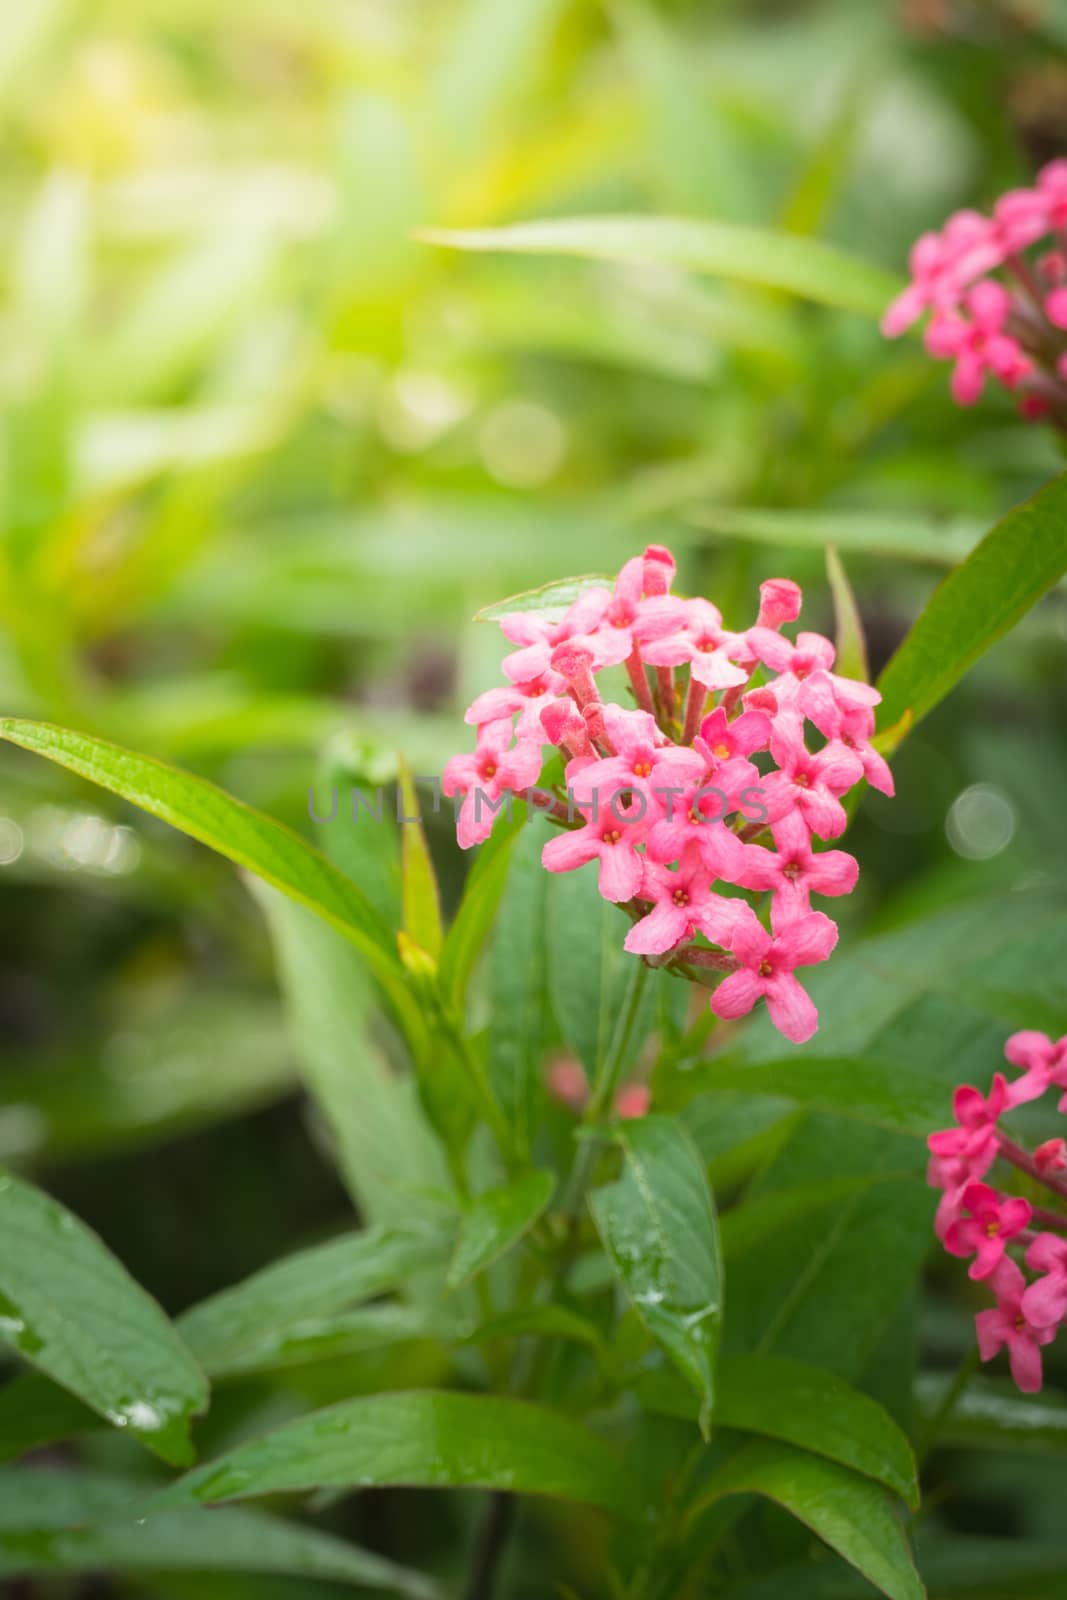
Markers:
(263, 454)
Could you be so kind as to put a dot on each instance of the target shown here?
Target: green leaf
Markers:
(420, 899)
(1015, 564)
(588, 970)
(806, 1406)
(52, 1521)
(495, 1221)
(549, 602)
(34, 1411)
(385, 1149)
(851, 1514)
(429, 1439)
(991, 1414)
(344, 1333)
(850, 640)
(517, 988)
(801, 1404)
(228, 1331)
(804, 267)
(887, 1094)
(824, 1287)
(74, 1312)
(904, 536)
(482, 894)
(548, 1319)
(244, 836)
(659, 1228)
(747, 1225)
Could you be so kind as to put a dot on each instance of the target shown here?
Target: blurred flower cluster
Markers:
(974, 1219)
(1011, 327)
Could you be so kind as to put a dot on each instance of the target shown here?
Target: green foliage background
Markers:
(265, 451)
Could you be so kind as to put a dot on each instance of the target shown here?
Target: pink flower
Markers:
(721, 740)
(942, 264)
(809, 783)
(633, 1101)
(768, 961)
(1044, 1063)
(993, 1221)
(538, 638)
(1045, 1302)
(692, 819)
(611, 838)
(978, 343)
(698, 639)
(679, 900)
(486, 777)
(529, 699)
(642, 764)
(633, 616)
(1009, 1325)
(854, 728)
(1052, 187)
(793, 871)
(1020, 218)
(967, 1151)
(807, 681)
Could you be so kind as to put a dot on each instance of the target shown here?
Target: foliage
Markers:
(290, 1210)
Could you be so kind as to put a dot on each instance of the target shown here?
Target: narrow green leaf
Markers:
(385, 1149)
(226, 1331)
(428, 1439)
(850, 639)
(588, 970)
(74, 1312)
(991, 1414)
(420, 898)
(549, 602)
(343, 1333)
(804, 267)
(1016, 563)
(53, 1521)
(517, 987)
(482, 894)
(244, 836)
(905, 536)
(495, 1221)
(659, 1228)
(851, 1514)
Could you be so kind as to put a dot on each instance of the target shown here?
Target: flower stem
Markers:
(694, 710)
(635, 667)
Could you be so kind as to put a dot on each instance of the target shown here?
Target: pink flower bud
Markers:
(779, 602)
(1051, 1156)
(659, 569)
(567, 1083)
(633, 1101)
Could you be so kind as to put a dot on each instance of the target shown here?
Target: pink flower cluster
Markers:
(1010, 328)
(665, 794)
(974, 1219)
